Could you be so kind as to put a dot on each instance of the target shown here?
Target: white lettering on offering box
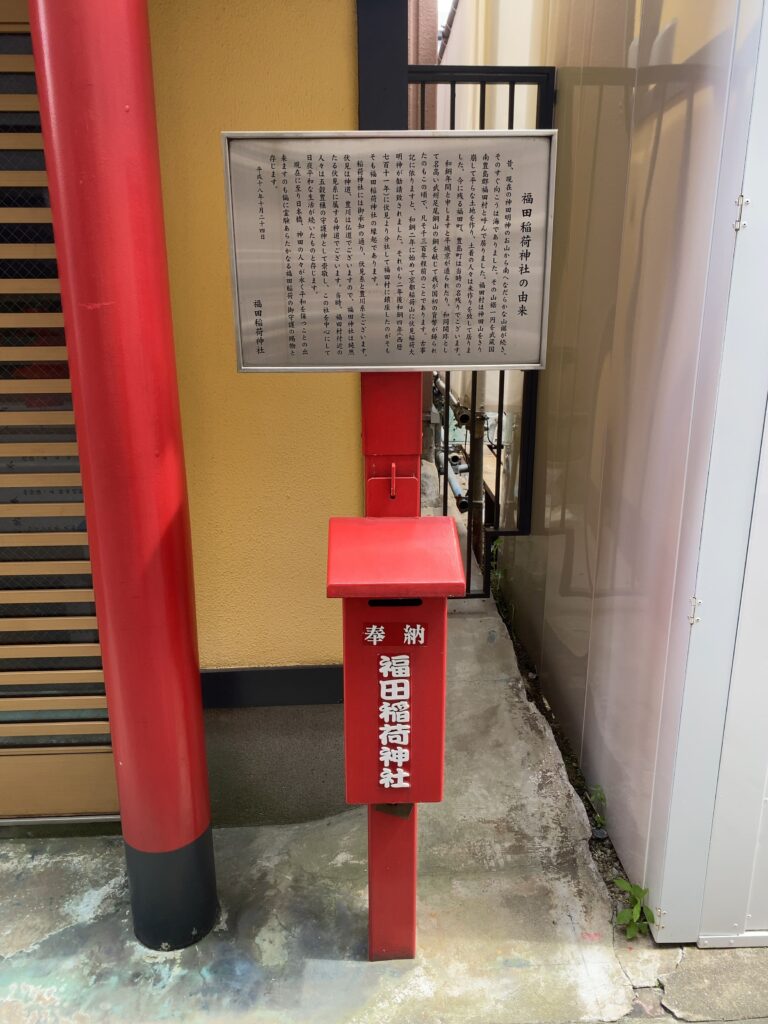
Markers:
(394, 679)
(394, 736)
(390, 250)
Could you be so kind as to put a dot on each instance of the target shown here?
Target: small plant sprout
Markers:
(635, 918)
(497, 572)
(597, 799)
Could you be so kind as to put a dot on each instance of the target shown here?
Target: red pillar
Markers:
(94, 77)
(391, 409)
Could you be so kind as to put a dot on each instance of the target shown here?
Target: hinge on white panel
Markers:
(740, 223)
(693, 618)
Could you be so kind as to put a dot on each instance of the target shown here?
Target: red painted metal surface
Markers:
(94, 78)
(391, 495)
(402, 714)
(391, 407)
(394, 558)
(394, 653)
(392, 438)
(391, 414)
(392, 868)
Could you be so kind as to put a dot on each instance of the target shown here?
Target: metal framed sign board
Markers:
(390, 250)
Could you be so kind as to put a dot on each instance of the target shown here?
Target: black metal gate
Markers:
(484, 430)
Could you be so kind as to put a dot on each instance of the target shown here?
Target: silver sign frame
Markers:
(409, 138)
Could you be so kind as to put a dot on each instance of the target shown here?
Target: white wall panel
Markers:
(736, 896)
(722, 463)
(641, 268)
(676, 140)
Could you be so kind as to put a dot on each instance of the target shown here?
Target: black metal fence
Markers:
(484, 429)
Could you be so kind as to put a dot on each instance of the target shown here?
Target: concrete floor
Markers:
(514, 919)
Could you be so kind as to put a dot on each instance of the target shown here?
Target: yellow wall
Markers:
(269, 456)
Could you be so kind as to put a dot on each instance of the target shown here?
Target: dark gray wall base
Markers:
(272, 687)
(275, 766)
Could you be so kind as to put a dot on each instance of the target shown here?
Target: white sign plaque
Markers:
(390, 250)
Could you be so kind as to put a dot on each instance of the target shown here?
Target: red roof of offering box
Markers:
(394, 557)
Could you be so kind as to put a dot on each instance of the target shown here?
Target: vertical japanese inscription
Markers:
(392, 251)
(394, 700)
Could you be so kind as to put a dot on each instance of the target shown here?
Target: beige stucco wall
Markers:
(269, 457)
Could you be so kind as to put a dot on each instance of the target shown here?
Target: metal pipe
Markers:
(454, 483)
(444, 437)
(527, 451)
(460, 411)
(476, 485)
(97, 110)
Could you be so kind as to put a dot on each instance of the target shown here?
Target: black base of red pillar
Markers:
(173, 894)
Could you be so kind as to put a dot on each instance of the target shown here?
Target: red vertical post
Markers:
(392, 873)
(392, 424)
(94, 77)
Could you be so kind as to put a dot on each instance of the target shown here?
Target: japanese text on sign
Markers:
(395, 700)
(394, 720)
(391, 251)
